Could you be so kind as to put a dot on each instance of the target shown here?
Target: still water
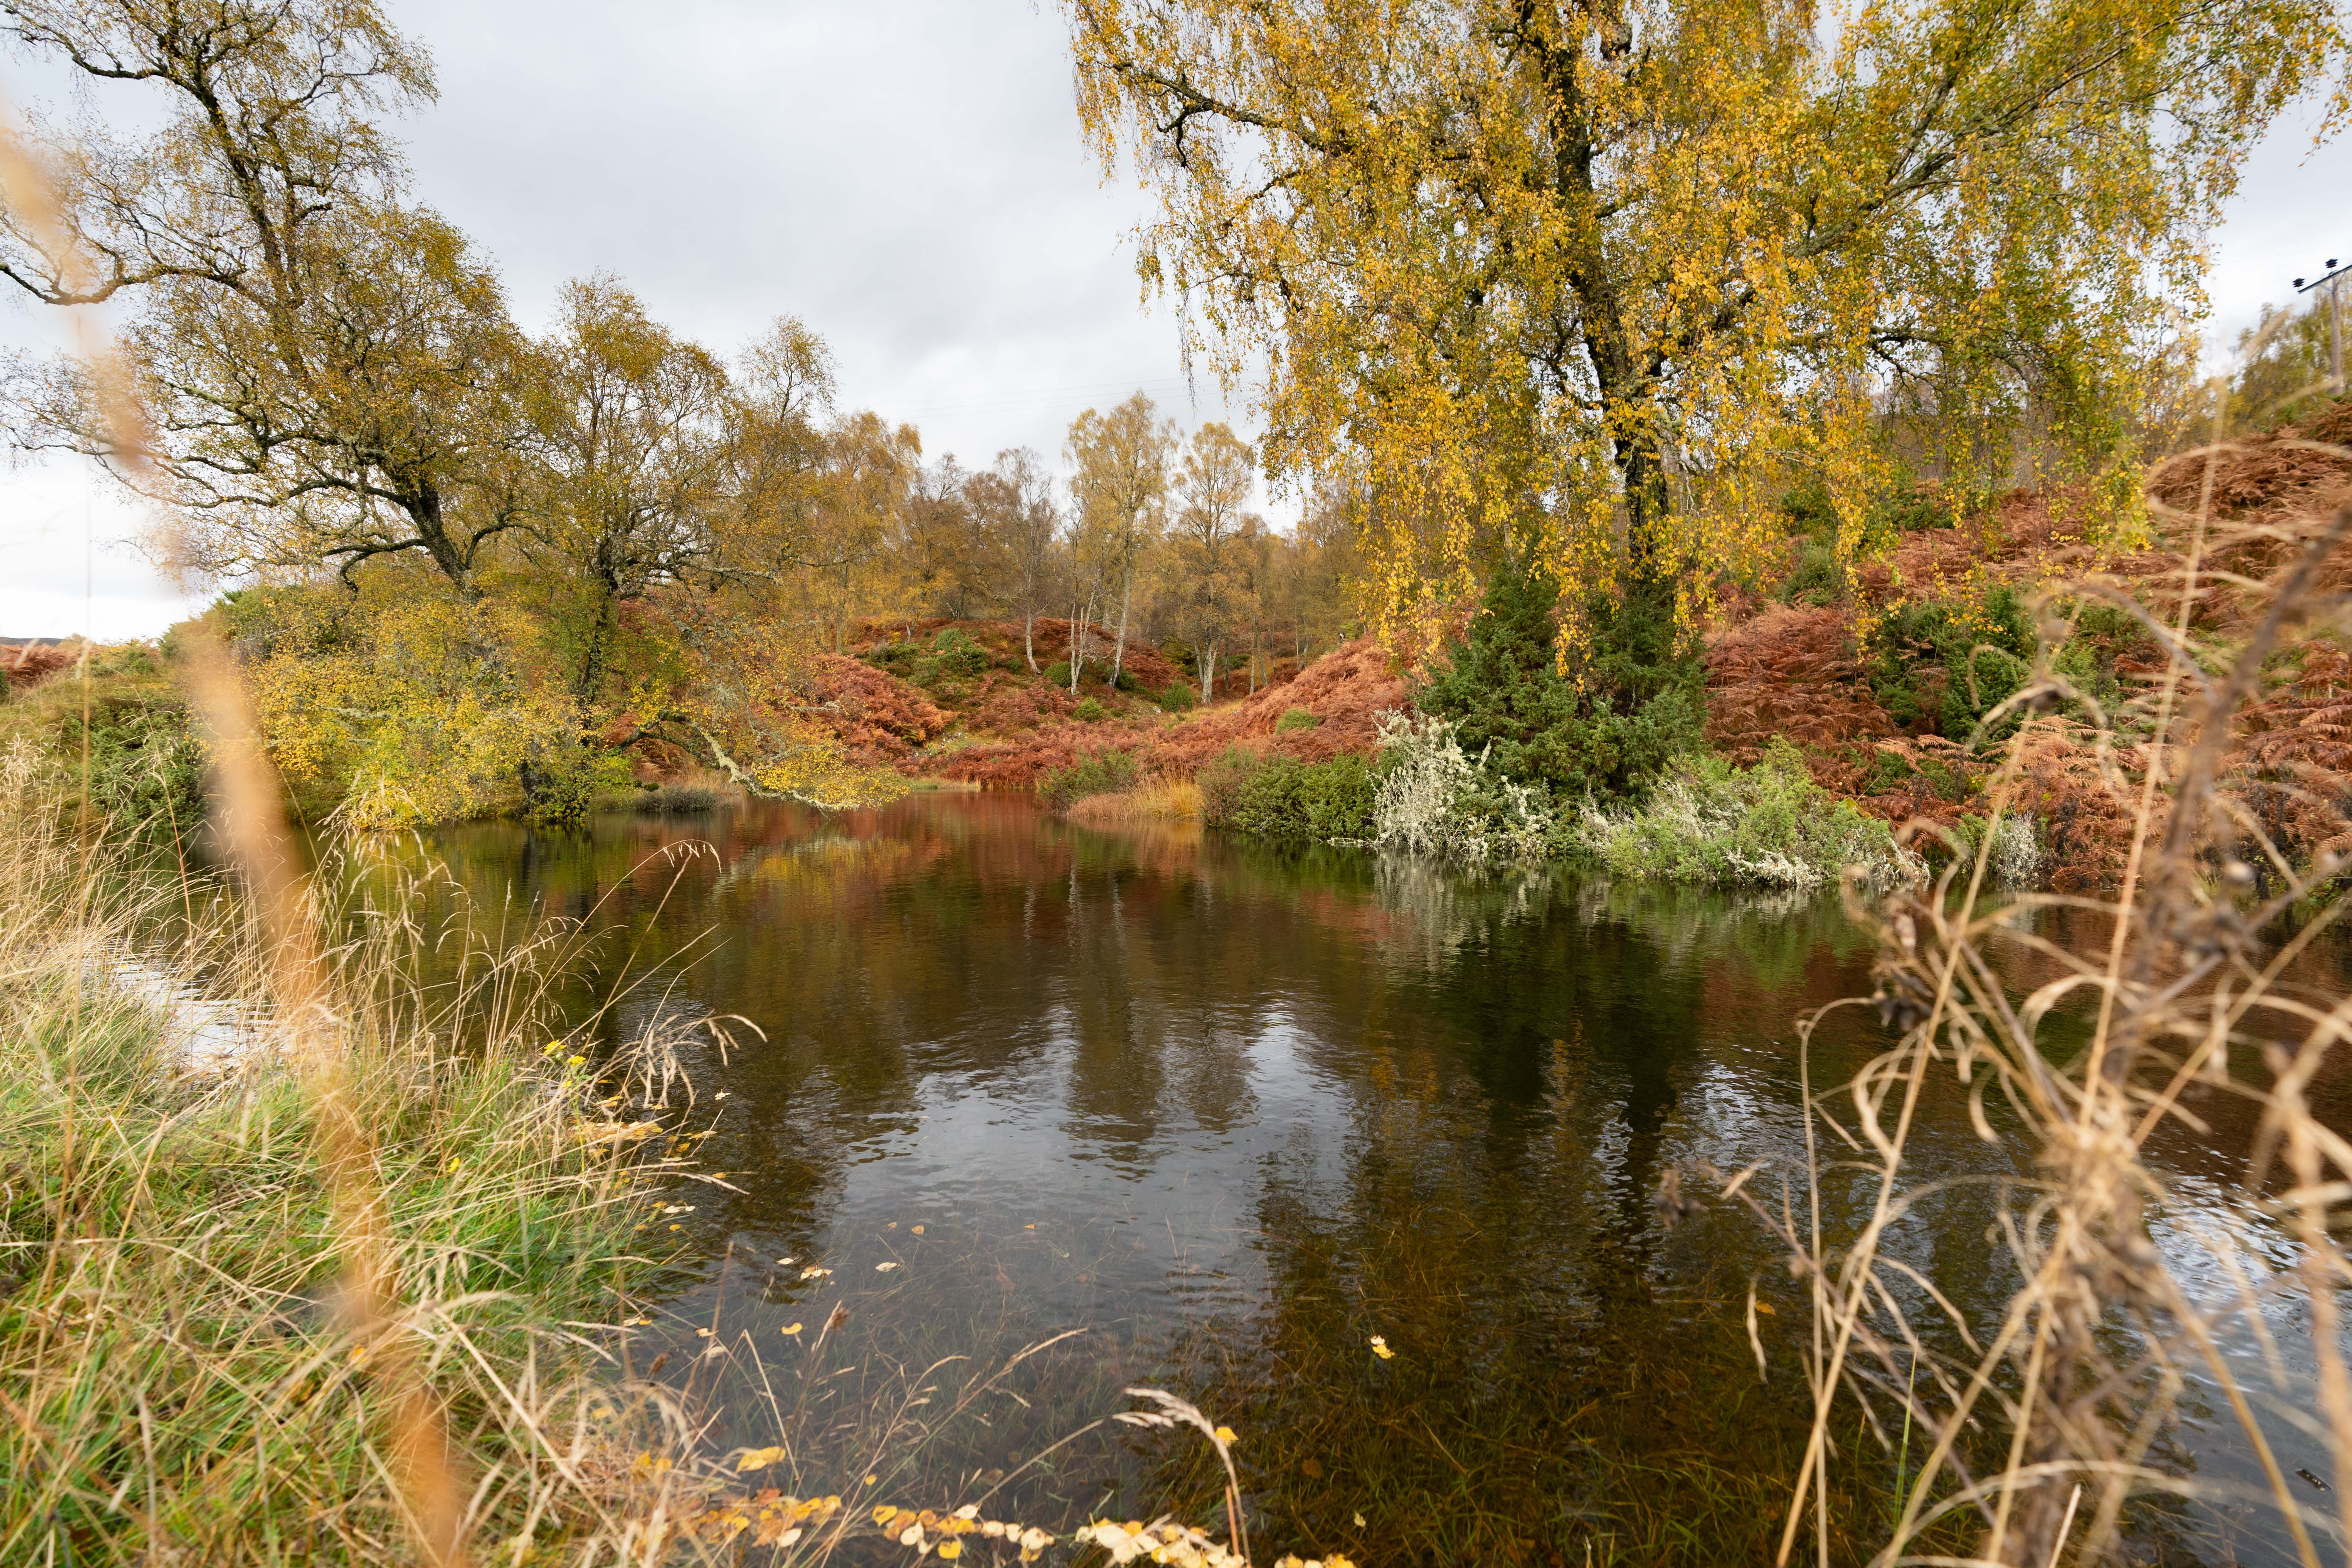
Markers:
(1218, 1114)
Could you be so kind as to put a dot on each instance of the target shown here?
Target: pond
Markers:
(1232, 1121)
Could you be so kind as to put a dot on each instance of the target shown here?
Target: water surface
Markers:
(1221, 1114)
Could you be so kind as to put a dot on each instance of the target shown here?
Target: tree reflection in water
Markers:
(1231, 1110)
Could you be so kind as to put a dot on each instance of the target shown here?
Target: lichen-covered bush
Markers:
(1435, 798)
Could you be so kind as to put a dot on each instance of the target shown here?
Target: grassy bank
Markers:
(184, 1376)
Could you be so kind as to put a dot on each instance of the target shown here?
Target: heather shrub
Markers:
(1714, 824)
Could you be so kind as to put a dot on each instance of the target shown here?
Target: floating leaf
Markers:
(793, 1328)
(884, 1268)
(1381, 1348)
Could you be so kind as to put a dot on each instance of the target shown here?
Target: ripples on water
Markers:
(1231, 1110)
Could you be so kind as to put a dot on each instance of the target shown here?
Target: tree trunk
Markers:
(1029, 639)
(1119, 654)
(600, 642)
(423, 510)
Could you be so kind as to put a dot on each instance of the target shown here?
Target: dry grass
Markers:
(2038, 1429)
(1156, 799)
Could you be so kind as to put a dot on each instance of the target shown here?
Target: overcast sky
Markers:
(904, 174)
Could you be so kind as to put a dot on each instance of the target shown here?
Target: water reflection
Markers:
(1230, 1110)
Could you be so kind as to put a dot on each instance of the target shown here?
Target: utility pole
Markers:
(2335, 283)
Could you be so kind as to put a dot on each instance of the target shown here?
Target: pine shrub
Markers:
(1501, 688)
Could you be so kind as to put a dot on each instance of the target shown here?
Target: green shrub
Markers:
(1176, 699)
(1632, 703)
(1915, 510)
(141, 758)
(1058, 675)
(958, 655)
(1280, 798)
(1089, 712)
(1906, 511)
(1890, 771)
(1716, 824)
(1818, 579)
(1942, 665)
(897, 657)
(1295, 719)
(1097, 773)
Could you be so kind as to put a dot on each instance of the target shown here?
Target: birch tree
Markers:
(1120, 484)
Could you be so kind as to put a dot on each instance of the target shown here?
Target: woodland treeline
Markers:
(474, 565)
(1483, 269)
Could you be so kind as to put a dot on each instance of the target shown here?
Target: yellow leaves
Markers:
(950, 1550)
(917, 1229)
(757, 1460)
(1770, 272)
(813, 1272)
(794, 1329)
(616, 1132)
(1162, 1541)
(1225, 1436)
(1381, 1348)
